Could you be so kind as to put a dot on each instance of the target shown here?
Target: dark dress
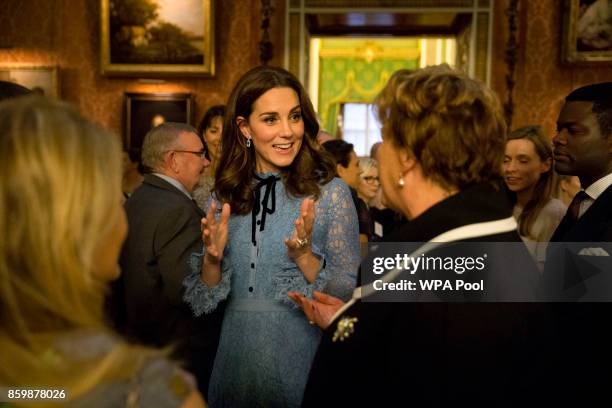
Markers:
(438, 354)
(363, 215)
(384, 222)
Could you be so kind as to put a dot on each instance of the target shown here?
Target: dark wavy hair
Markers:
(211, 113)
(206, 122)
(234, 176)
(340, 149)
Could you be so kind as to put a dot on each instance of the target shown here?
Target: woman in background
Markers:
(528, 174)
(210, 130)
(566, 187)
(369, 184)
(132, 171)
(347, 168)
(61, 229)
(293, 227)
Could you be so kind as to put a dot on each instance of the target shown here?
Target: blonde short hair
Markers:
(451, 124)
(366, 163)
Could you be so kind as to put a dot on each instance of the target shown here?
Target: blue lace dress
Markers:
(267, 346)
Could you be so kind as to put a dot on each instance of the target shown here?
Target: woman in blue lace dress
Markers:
(293, 227)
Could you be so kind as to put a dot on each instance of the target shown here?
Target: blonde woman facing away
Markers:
(61, 228)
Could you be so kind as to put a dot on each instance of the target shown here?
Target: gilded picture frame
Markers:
(144, 111)
(157, 38)
(587, 32)
(43, 80)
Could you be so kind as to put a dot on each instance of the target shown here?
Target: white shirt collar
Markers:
(598, 187)
(175, 183)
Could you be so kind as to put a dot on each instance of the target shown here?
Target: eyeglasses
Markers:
(201, 154)
(371, 179)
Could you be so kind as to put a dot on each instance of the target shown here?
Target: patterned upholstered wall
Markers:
(541, 80)
(66, 33)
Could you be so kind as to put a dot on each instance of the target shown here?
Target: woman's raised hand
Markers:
(214, 234)
(300, 242)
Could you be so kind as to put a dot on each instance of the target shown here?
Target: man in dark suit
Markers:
(583, 147)
(580, 252)
(164, 230)
(578, 265)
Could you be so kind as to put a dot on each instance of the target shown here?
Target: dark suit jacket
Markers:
(581, 286)
(594, 225)
(164, 230)
(438, 354)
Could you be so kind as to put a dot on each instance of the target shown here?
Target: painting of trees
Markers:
(140, 34)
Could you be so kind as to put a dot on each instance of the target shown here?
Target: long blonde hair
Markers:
(60, 180)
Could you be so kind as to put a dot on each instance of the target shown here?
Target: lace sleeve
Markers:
(338, 254)
(342, 241)
(198, 295)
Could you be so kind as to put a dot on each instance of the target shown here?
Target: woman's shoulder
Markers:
(334, 192)
(336, 185)
(159, 382)
(554, 208)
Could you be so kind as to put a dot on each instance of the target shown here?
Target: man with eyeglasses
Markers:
(164, 230)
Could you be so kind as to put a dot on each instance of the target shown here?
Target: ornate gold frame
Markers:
(207, 68)
(569, 50)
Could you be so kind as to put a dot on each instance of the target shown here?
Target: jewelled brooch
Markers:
(344, 329)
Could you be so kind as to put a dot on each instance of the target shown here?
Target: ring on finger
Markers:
(301, 242)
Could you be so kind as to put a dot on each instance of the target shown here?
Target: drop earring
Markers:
(248, 143)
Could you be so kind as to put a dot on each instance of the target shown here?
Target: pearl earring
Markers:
(401, 183)
(248, 143)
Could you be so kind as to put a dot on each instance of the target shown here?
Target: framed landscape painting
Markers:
(587, 31)
(156, 38)
(144, 111)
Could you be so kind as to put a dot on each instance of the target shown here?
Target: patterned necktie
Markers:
(574, 207)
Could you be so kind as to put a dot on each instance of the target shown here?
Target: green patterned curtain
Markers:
(352, 80)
